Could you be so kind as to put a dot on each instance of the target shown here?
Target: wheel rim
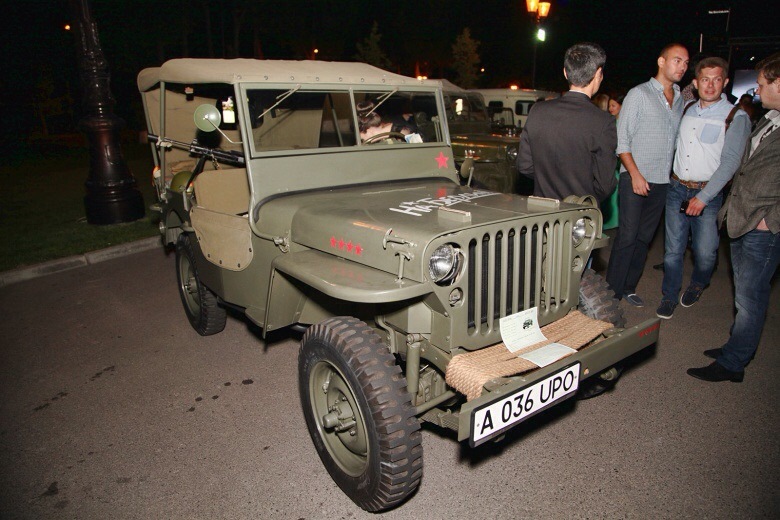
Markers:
(188, 285)
(339, 420)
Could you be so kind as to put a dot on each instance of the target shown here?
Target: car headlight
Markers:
(511, 153)
(578, 231)
(444, 264)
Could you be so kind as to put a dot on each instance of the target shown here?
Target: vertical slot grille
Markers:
(510, 270)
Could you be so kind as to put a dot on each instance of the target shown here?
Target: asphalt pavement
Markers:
(113, 407)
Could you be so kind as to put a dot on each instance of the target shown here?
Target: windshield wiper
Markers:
(280, 98)
(381, 99)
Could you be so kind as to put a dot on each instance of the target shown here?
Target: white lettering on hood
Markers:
(426, 205)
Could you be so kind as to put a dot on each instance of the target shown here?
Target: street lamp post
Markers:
(112, 193)
(539, 10)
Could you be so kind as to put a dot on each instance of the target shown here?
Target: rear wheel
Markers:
(200, 304)
(359, 414)
(598, 301)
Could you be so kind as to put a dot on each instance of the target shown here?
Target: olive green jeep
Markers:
(401, 280)
(493, 154)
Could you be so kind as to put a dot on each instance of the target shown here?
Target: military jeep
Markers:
(396, 275)
(493, 154)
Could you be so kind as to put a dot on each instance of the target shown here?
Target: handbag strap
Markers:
(729, 118)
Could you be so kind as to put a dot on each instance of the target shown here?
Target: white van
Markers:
(509, 108)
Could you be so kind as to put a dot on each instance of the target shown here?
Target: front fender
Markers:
(293, 274)
(345, 280)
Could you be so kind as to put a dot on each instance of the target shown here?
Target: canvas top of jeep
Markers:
(282, 206)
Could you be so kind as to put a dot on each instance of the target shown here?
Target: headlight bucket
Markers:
(579, 231)
(445, 263)
(583, 231)
(511, 154)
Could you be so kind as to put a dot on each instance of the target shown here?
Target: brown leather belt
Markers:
(690, 184)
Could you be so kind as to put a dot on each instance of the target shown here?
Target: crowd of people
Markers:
(689, 155)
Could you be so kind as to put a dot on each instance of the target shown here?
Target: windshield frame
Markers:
(243, 92)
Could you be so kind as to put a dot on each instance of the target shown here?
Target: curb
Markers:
(73, 262)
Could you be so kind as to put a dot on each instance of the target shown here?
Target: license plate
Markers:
(494, 418)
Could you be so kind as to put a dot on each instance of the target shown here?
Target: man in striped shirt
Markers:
(647, 133)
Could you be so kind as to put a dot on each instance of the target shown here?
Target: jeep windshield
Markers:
(308, 120)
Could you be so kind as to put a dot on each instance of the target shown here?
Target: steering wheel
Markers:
(384, 135)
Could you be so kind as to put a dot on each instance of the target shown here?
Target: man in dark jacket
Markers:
(568, 144)
(752, 220)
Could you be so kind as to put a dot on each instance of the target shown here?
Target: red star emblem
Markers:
(358, 250)
(349, 246)
(341, 243)
(442, 160)
(332, 241)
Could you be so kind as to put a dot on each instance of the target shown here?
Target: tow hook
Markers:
(610, 374)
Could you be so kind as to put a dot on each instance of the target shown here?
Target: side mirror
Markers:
(207, 118)
(467, 170)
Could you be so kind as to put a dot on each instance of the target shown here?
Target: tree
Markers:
(465, 59)
(370, 52)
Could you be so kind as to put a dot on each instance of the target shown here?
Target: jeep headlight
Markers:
(511, 154)
(444, 264)
(578, 231)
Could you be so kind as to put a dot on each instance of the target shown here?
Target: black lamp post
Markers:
(540, 11)
(112, 193)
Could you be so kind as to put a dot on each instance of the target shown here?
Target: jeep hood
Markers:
(375, 224)
(484, 147)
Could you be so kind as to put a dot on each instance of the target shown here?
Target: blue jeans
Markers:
(705, 240)
(754, 258)
(638, 221)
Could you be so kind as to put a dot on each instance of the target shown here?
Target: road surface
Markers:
(113, 407)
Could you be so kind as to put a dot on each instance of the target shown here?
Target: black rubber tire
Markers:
(200, 304)
(598, 301)
(342, 362)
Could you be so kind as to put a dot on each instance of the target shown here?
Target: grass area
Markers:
(42, 206)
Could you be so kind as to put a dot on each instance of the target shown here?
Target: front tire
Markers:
(359, 414)
(200, 304)
(598, 301)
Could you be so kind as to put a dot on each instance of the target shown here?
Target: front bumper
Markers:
(593, 360)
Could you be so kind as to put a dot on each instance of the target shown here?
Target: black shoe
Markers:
(634, 300)
(715, 373)
(713, 353)
(691, 295)
(666, 309)
(659, 267)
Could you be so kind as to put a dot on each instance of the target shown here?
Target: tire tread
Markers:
(384, 387)
(212, 317)
(598, 301)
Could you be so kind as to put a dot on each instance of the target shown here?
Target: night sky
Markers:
(39, 56)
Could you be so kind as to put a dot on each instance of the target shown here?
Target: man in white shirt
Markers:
(710, 144)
